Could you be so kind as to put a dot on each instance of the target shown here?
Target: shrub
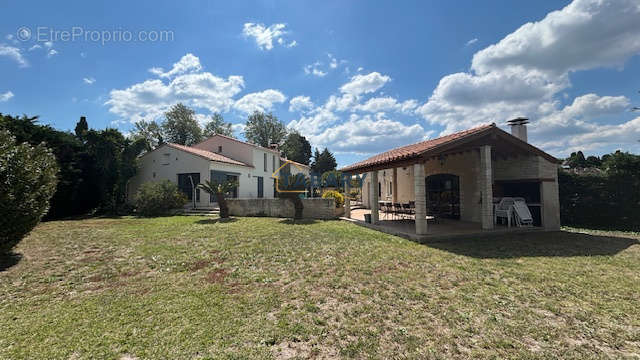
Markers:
(158, 198)
(27, 182)
(332, 194)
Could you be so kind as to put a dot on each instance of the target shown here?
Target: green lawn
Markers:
(195, 287)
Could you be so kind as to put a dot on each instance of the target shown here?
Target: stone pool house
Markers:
(461, 176)
(216, 158)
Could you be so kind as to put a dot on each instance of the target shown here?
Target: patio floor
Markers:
(443, 229)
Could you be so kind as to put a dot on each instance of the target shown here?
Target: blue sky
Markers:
(359, 77)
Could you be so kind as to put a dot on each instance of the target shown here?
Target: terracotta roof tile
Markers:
(409, 151)
(207, 154)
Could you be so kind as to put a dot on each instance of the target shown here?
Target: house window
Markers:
(265, 161)
(154, 174)
(221, 176)
(165, 159)
(219, 148)
(273, 163)
(186, 184)
(390, 192)
(379, 190)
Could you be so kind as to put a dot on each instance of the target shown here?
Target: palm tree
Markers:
(219, 189)
(295, 184)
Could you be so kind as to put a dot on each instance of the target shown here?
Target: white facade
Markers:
(167, 162)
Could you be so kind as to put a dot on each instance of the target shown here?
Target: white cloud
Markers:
(367, 134)
(526, 73)
(338, 125)
(585, 34)
(265, 36)
(148, 100)
(300, 104)
(363, 84)
(48, 44)
(52, 52)
(314, 69)
(319, 68)
(259, 101)
(388, 103)
(6, 96)
(35, 47)
(187, 64)
(471, 42)
(13, 53)
(89, 80)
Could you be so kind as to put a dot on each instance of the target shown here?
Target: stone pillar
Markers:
(421, 199)
(394, 187)
(347, 200)
(373, 196)
(550, 205)
(485, 182)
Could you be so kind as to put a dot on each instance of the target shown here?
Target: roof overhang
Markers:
(503, 143)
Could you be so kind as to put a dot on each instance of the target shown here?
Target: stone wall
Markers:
(313, 208)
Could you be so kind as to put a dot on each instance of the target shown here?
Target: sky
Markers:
(358, 77)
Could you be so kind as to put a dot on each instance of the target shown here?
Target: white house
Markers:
(216, 158)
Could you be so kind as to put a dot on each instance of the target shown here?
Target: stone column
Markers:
(550, 205)
(485, 183)
(347, 200)
(394, 187)
(421, 199)
(373, 196)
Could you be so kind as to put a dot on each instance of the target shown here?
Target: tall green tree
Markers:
(217, 125)
(27, 182)
(180, 126)
(150, 132)
(297, 148)
(323, 161)
(94, 167)
(264, 129)
(81, 127)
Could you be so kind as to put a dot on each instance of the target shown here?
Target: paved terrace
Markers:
(443, 229)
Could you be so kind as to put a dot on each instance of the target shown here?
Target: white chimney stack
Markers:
(519, 128)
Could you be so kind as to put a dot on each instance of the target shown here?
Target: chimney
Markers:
(274, 147)
(519, 127)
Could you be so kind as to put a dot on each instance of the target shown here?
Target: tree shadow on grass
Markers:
(216, 220)
(9, 260)
(543, 244)
(298, 221)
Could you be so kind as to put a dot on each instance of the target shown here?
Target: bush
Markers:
(27, 182)
(332, 194)
(607, 202)
(158, 198)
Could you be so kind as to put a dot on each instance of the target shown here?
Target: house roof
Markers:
(294, 162)
(415, 150)
(207, 154)
(241, 142)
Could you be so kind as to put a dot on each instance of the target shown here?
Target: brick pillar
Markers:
(373, 196)
(421, 199)
(347, 200)
(485, 182)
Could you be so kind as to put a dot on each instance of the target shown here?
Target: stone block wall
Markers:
(322, 209)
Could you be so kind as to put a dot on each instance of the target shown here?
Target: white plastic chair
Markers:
(522, 213)
(504, 209)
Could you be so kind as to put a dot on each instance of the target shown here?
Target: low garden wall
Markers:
(313, 208)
